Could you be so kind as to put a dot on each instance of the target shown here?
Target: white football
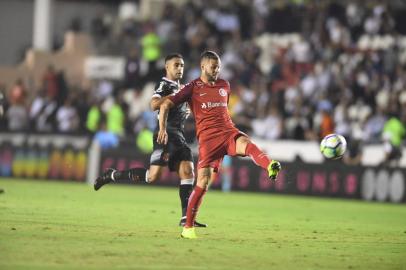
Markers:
(333, 146)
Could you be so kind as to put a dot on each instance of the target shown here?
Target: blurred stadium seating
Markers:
(298, 69)
(76, 79)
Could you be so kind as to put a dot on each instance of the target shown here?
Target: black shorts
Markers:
(175, 151)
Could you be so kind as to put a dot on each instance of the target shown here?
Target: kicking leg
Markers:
(245, 147)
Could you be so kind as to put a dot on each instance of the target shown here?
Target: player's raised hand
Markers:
(162, 137)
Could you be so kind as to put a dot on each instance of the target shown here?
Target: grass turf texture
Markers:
(54, 225)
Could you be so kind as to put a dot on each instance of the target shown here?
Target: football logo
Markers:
(222, 92)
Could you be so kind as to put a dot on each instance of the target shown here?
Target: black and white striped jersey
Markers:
(178, 114)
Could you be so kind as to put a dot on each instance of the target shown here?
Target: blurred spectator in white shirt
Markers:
(67, 117)
(300, 51)
(17, 117)
(261, 127)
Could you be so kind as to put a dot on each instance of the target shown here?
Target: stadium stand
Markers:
(306, 68)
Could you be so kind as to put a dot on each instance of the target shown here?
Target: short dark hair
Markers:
(209, 55)
(173, 55)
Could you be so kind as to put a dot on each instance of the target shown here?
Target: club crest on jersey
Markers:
(222, 92)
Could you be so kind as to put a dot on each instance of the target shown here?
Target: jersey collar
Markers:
(166, 79)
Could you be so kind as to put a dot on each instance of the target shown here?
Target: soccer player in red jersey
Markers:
(175, 154)
(217, 135)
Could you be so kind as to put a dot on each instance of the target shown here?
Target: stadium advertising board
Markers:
(332, 179)
(328, 179)
(97, 67)
(32, 157)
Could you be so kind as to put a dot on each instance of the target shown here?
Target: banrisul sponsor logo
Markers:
(216, 104)
(206, 105)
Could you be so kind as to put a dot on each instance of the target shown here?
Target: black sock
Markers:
(133, 174)
(185, 189)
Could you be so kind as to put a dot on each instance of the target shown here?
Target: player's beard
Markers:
(210, 77)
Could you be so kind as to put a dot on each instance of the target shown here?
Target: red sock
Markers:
(259, 157)
(195, 200)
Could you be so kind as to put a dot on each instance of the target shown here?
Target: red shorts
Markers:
(213, 149)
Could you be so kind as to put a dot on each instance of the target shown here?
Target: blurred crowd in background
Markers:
(321, 84)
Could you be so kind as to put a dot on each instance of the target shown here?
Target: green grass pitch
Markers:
(55, 225)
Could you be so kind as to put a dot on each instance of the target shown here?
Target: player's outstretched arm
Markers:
(163, 117)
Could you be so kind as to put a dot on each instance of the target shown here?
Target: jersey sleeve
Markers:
(159, 89)
(162, 89)
(228, 91)
(185, 94)
(228, 87)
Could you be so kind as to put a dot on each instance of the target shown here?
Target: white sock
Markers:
(187, 181)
